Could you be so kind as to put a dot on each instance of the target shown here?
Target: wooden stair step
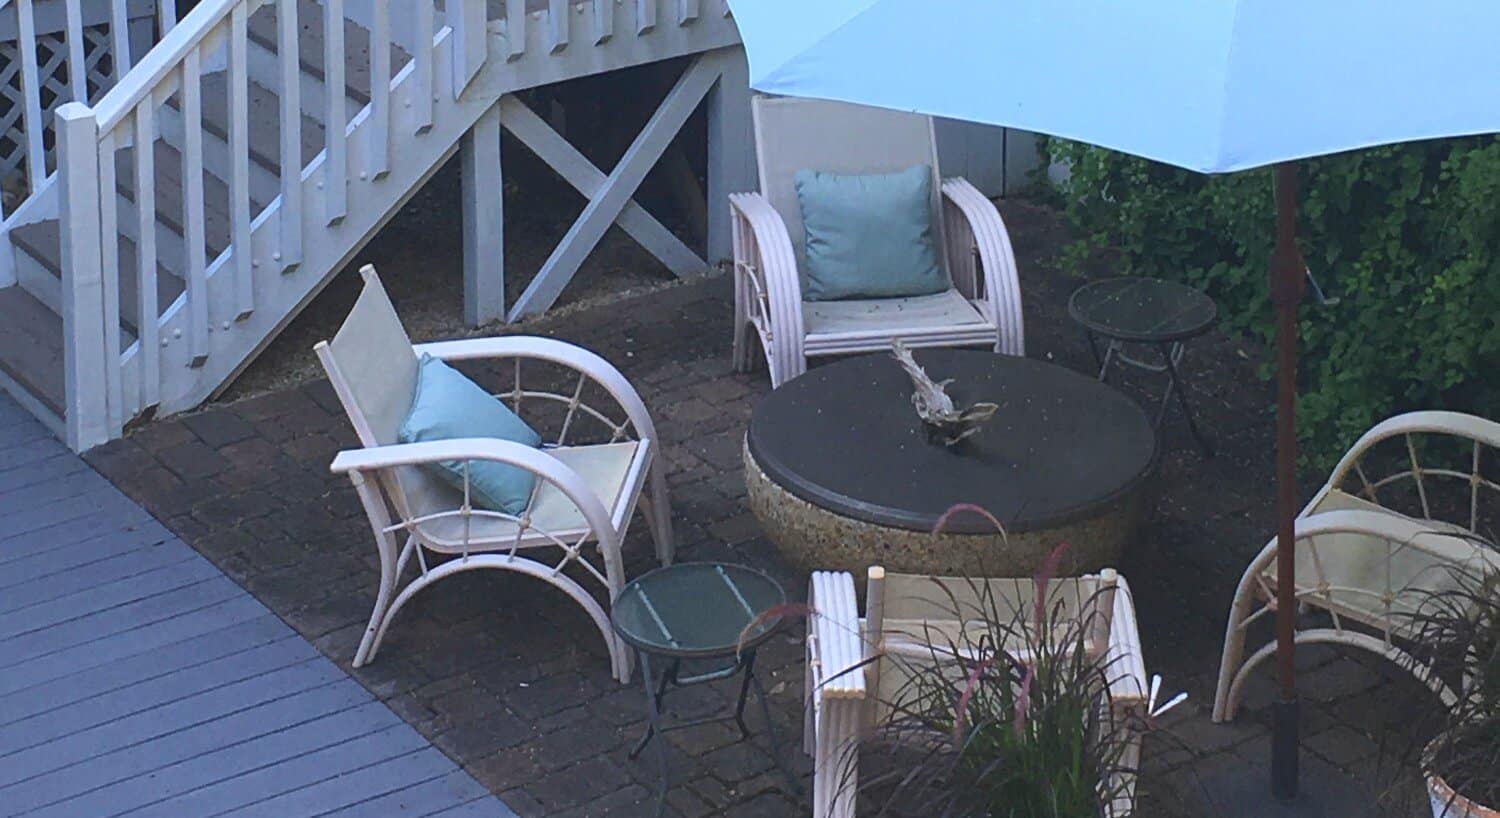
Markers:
(263, 32)
(31, 346)
(43, 242)
(169, 196)
(264, 121)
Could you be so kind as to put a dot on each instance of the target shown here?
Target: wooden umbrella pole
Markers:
(1288, 285)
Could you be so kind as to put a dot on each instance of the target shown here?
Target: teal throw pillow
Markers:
(448, 405)
(869, 236)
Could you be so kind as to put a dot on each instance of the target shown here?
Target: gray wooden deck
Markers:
(136, 679)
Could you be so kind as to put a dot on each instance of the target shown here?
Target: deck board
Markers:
(81, 554)
(136, 679)
(58, 586)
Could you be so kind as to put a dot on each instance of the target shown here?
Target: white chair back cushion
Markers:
(836, 137)
(374, 371)
(376, 365)
(1379, 556)
(922, 611)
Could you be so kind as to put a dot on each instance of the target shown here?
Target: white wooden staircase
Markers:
(218, 184)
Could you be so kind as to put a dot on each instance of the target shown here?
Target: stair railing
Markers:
(53, 52)
(127, 353)
(100, 397)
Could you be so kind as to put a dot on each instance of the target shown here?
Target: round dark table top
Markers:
(697, 609)
(1142, 309)
(846, 437)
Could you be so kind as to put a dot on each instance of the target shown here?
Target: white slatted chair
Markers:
(902, 613)
(1372, 546)
(585, 495)
(983, 308)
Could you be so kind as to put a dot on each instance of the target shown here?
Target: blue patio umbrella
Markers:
(1209, 85)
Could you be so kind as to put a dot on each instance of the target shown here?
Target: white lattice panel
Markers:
(52, 67)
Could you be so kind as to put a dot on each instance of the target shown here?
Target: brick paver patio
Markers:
(509, 678)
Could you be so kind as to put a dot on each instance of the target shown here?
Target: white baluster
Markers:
(336, 117)
(291, 134)
(604, 20)
(380, 88)
(147, 327)
(557, 25)
(645, 16)
(166, 11)
(687, 11)
(423, 65)
(239, 162)
(31, 112)
(469, 21)
(192, 206)
(109, 291)
(78, 80)
(119, 36)
(515, 28)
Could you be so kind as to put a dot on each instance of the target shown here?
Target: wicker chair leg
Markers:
(1234, 651)
(836, 758)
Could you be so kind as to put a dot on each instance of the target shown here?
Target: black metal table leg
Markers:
(653, 717)
(1182, 400)
(748, 662)
(653, 702)
(1094, 348)
(772, 735)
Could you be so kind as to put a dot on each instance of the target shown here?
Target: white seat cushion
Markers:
(608, 469)
(1360, 569)
(924, 312)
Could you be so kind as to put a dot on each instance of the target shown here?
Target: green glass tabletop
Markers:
(1142, 309)
(696, 609)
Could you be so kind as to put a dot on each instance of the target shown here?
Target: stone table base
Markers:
(815, 538)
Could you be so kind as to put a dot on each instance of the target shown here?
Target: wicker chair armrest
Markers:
(834, 631)
(1128, 686)
(536, 461)
(773, 265)
(1002, 286)
(554, 351)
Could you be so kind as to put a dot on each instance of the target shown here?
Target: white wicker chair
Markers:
(1372, 545)
(982, 309)
(585, 494)
(902, 612)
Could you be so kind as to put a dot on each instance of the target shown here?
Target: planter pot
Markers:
(1445, 804)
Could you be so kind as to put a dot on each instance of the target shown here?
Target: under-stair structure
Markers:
(205, 191)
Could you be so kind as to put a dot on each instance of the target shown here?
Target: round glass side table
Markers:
(1149, 312)
(699, 611)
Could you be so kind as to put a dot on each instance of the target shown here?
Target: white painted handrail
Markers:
(199, 29)
(245, 263)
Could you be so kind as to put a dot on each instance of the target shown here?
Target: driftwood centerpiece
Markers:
(946, 423)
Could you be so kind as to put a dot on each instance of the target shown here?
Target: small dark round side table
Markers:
(699, 611)
(1150, 312)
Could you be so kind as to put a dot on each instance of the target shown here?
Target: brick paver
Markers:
(509, 678)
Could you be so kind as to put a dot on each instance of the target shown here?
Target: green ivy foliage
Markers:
(1406, 237)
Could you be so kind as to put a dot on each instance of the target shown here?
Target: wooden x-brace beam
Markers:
(575, 169)
(610, 196)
